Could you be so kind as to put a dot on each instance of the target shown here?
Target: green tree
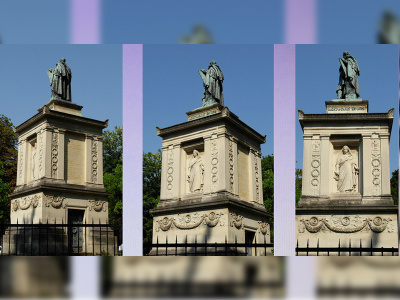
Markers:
(112, 149)
(112, 172)
(267, 166)
(298, 182)
(394, 186)
(151, 191)
(4, 201)
(8, 152)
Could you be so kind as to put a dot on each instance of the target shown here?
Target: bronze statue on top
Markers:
(349, 71)
(60, 81)
(212, 81)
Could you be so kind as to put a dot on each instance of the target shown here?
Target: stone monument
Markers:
(211, 185)
(60, 172)
(346, 192)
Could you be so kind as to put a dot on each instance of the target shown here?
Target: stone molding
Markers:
(344, 224)
(189, 221)
(25, 202)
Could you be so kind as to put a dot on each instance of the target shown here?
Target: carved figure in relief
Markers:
(60, 81)
(349, 71)
(212, 82)
(346, 171)
(196, 172)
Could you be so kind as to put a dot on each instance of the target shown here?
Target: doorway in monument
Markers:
(75, 233)
(249, 239)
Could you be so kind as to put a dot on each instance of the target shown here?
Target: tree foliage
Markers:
(267, 166)
(151, 191)
(8, 152)
(4, 201)
(394, 186)
(112, 149)
(298, 182)
(112, 172)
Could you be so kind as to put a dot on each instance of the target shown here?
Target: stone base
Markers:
(220, 219)
(352, 227)
(345, 200)
(50, 241)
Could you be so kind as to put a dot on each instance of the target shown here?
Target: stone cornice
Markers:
(225, 116)
(367, 117)
(47, 113)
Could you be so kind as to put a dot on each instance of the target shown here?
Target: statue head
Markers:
(346, 54)
(62, 60)
(213, 62)
(346, 150)
(195, 153)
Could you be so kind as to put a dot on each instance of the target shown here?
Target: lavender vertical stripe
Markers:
(85, 279)
(133, 149)
(284, 149)
(298, 285)
(85, 21)
(300, 21)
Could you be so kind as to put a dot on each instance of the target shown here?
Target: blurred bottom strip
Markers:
(194, 276)
(358, 276)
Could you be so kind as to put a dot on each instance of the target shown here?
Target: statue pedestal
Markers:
(60, 169)
(211, 185)
(346, 190)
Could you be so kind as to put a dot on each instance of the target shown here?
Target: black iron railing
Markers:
(340, 250)
(206, 248)
(60, 239)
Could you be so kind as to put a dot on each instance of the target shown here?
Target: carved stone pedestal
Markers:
(211, 185)
(60, 170)
(346, 178)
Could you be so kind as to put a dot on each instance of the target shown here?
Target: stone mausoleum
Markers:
(346, 193)
(211, 184)
(60, 174)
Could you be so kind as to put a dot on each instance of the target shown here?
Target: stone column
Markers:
(164, 172)
(214, 163)
(47, 148)
(207, 165)
(233, 148)
(255, 181)
(366, 169)
(325, 166)
(41, 153)
(88, 156)
(385, 164)
(61, 154)
(222, 181)
(306, 177)
(99, 159)
(21, 162)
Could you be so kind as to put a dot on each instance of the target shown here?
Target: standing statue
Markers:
(196, 172)
(212, 81)
(60, 81)
(346, 171)
(348, 87)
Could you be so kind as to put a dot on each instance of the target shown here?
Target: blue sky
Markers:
(317, 75)
(352, 22)
(96, 79)
(34, 22)
(154, 21)
(173, 86)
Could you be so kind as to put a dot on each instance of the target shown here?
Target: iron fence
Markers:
(206, 248)
(358, 250)
(46, 239)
